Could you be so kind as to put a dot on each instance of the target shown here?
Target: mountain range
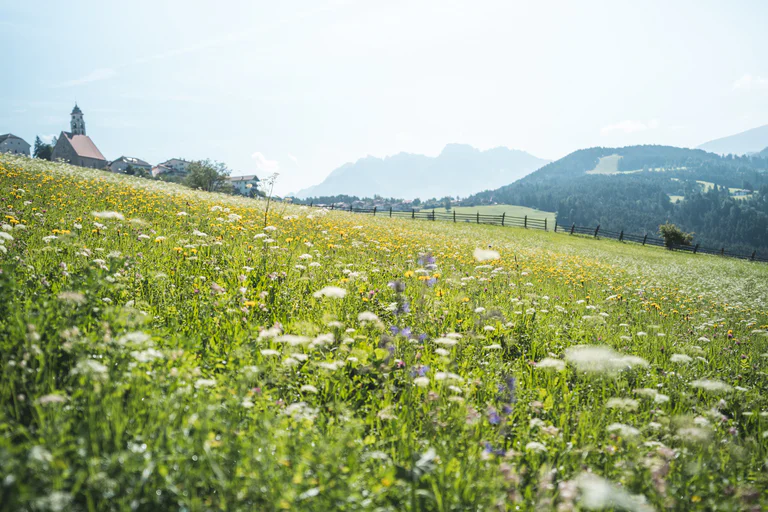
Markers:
(458, 170)
(744, 143)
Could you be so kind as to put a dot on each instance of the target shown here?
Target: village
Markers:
(75, 147)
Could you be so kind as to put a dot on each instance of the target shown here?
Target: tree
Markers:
(42, 150)
(447, 203)
(673, 235)
(208, 175)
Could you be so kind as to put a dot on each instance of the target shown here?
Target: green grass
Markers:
(510, 210)
(168, 349)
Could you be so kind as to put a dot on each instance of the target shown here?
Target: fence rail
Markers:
(545, 225)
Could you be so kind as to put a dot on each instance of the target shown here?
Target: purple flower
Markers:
(431, 282)
(419, 371)
(406, 307)
(405, 331)
(394, 330)
(493, 417)
(490, 449)
(422, 337)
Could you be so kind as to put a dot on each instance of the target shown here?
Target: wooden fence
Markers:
(545, 225)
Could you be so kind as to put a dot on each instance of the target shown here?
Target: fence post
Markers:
(478, 217)
(433, 214)
(413, 213)
(545, 224)
(333, 205)
(695, 248)
(621, 235)
(573, 226)
(525, 222)
(596, 230)
(311, 203)
(555, 225)
(503, 214)
(753, 255)
(454, 216)
(645, 238)
(722, 251)
(374, 211)
(350, 207)
(390, 211)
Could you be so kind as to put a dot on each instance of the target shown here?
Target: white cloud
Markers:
(293, 158)
(747, 81)
(630, 126)
(93, 76)
(265, 165)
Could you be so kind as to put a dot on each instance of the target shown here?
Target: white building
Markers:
(10, 143)
(244, 185)
(122, 163)
(177, 164)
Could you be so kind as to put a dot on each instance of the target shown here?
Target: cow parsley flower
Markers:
(330, 291)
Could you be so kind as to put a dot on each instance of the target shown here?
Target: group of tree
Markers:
(43, 150)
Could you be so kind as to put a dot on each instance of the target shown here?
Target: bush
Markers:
(673, 235)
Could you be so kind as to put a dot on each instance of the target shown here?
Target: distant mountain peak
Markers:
(458, 170)
(749, 141)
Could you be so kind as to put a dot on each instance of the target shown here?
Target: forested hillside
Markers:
(724, 200)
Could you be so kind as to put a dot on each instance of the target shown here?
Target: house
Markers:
(177, 164)
(10, 143)
(76, 147)
(244, 185)
(122, 163)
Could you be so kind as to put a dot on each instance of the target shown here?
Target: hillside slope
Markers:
(632, 193)
(458, 170)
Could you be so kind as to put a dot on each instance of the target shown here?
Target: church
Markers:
(75, 147)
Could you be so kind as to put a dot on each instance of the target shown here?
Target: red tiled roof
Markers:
(84, 146)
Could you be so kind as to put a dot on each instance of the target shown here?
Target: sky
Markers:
(302, 87)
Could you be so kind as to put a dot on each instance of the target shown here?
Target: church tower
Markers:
(77, 123)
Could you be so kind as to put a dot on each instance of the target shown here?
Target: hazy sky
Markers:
(303, 87)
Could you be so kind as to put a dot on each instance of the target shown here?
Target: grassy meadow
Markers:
(167, 349)
(510, 210)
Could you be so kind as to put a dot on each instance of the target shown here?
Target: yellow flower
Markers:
(250, 303)
(409, 273)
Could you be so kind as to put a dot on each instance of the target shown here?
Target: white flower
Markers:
(269, 352)
(246, 403)
(305, 257)
(5, 236)
(626, 404)
(489, 328)
(51, 399)
(199, 233)
(147, 355)
(204, 383)
(681, 358)
(601, 359)
(367, 316)
(108, 215)
(387, 413)
(623, 430)
(447, 376)
(485, 255)
(535, 446)
(495, 346)
(448, 342)
(308, 388)
(182, 214)
(712, 385)
(551, 362)
(292, 339)
(270, 228)
(598, 494)
(442, 352)
(422, 382)
(330, 291)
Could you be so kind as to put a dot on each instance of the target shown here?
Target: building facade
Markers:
(10, 143)
(124, 162)
(75, 147)
(244, 185)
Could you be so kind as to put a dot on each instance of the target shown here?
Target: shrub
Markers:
(673, 235)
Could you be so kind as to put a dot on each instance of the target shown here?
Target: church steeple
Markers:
(77, 123)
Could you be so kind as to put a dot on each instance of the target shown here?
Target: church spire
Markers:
(77, 123)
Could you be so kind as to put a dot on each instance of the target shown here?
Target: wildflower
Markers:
(599, 359)
(448, 342)
(626, 404)
(447, 376)
(269, 352)
(51, 399)
(681, 358)
(5, 236)
(204, 383)
(108, 215)
(421, 382)
(246, 403)
(485, 255)
(367, 316)
(72, 297)
(550, 362)
(308, 388)
(715, 386)
(387, 413)
(598, 493)
(623, 430)
(535, 446)
(330, 291)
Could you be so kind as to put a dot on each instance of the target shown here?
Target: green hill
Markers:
(629, 188)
